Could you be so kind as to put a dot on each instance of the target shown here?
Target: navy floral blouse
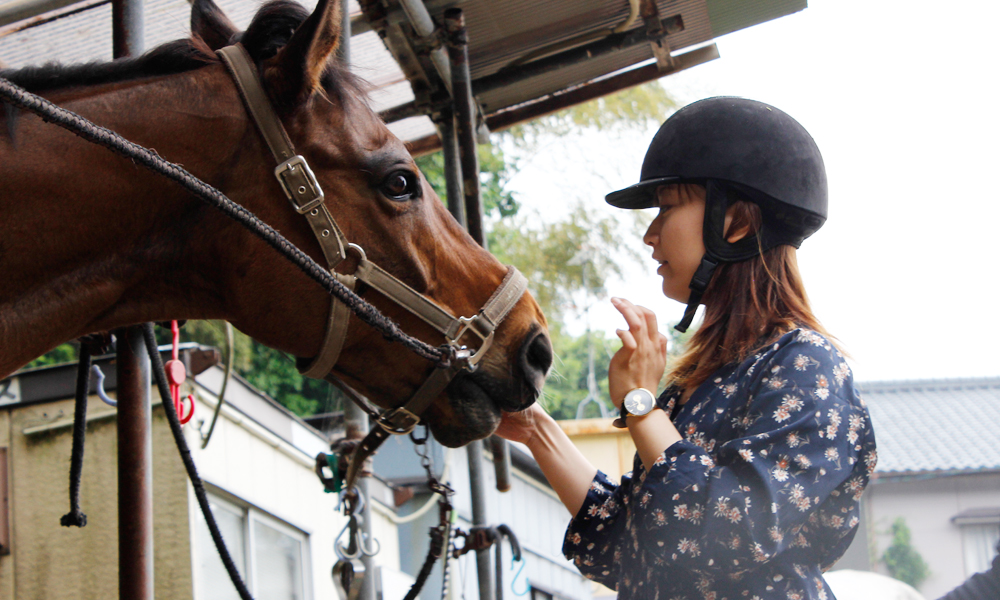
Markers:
(760, 497)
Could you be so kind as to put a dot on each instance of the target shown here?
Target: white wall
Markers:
(248, 461)
(928, 505)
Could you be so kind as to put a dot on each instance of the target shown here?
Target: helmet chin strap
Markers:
(698, 285)
(717, 249)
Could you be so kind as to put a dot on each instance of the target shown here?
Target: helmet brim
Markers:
(640, 195)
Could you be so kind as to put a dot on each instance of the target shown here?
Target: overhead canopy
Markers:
(527, 57)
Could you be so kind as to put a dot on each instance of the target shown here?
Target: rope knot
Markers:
(74, 518)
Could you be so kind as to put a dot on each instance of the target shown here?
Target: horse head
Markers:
(181, 100)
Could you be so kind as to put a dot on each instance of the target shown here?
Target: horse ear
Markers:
(295, 72)
(210, 24)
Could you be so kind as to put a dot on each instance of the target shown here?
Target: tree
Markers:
(902, 559)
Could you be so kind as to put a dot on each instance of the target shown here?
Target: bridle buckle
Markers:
(398, 421)
(299, 184)
(471, 359)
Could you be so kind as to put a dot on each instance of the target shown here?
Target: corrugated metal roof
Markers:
(500, 32)
(935, 425)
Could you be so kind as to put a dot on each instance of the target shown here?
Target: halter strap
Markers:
(306, 196)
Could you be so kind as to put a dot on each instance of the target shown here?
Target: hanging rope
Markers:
(17, 96)
(199, 487)
(75, 517)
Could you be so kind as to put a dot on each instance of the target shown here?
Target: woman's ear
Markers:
(738, 233)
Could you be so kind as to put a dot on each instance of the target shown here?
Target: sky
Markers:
(901, 98)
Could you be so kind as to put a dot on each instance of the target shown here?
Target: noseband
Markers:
(306, 196)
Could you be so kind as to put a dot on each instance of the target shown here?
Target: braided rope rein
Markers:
(50, 113)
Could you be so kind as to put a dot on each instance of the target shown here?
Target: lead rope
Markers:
(75, 517)
(443, 355)
(88, 345)
(199, 487)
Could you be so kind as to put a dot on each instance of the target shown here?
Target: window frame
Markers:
(251, 514)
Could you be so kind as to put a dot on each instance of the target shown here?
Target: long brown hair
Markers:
(748, 305)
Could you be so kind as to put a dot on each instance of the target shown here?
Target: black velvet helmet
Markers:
(738, 149)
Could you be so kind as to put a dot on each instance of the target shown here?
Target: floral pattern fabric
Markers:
(760, 497)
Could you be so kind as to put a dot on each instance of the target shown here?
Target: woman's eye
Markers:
(400, 186)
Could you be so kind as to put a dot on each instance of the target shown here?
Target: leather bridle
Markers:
(306, 196)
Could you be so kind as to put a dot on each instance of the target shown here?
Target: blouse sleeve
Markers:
(790, 476)
(592, 536)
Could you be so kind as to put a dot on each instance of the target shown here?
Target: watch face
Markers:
(639, 402)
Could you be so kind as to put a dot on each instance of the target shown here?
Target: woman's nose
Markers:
(652, 236)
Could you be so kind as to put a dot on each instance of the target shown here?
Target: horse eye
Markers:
(400, 186)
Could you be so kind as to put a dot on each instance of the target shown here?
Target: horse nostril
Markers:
(535, 360)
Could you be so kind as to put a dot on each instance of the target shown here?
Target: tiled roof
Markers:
(943, 425)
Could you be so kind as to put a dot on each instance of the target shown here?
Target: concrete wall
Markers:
(928, 505)
(610, 449)
(6, 562)
(52, 562)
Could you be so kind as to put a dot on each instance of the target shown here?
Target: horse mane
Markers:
(270, 29)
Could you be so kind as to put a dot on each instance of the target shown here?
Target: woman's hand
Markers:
(643, 356)
(521, 426)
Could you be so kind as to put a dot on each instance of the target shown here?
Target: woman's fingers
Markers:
(641, 321)
(628, 341)
(628, 310)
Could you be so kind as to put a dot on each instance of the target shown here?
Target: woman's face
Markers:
(676, 237)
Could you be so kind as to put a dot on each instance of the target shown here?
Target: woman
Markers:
(750, 468)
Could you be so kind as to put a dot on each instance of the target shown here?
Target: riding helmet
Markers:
(738, 149)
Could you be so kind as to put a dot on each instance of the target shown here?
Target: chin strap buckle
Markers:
(699, 283)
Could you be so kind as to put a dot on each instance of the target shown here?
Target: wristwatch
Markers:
(637, 403)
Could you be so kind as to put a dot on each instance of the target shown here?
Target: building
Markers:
(938, 470)
(279, 524)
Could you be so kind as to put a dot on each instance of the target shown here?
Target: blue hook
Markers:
(527, 583)
(100, 386)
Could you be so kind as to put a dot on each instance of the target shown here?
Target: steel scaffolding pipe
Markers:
(355, 418)
(465, 119)
(135, 467)
(422, 23)
(127, 28)
(452, 165)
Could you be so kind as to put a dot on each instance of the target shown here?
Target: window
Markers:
(980, 535)
(980, 545)
(271, 556)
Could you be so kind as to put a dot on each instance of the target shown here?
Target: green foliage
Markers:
(545, 253)
(902, 559)
(566, 386)
(270, 371)
(633, 108)
(60, 354)
(495, 170)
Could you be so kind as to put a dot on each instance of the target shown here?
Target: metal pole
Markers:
(478, 486)
(355, 419)
(465, 118)
(501, 462)
(127, 28)
(135, 468)
(452, 166)
(424, 26)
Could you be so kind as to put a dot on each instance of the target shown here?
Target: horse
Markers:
(89, 242)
